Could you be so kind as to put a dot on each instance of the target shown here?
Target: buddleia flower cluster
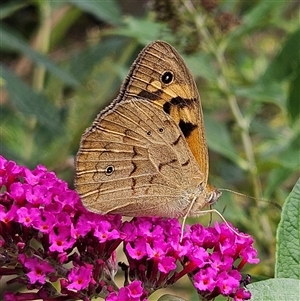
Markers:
(57, 250)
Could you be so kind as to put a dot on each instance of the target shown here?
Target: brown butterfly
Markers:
(146, 153)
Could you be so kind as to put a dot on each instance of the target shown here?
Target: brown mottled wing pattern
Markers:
(135, 161)
(149, 77)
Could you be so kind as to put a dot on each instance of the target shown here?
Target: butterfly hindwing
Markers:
(140, 151)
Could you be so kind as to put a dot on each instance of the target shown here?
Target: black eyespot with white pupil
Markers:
(109, 170)
(167, 77)
(161, 130)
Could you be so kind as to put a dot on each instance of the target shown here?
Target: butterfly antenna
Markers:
(252, 197)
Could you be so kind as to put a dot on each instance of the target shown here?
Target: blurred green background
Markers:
(63, 61)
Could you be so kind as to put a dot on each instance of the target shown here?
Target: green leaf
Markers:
(279, 289)
(287, 62)
(107, 11)
(30, 103)
(14, 42)
(288, 237)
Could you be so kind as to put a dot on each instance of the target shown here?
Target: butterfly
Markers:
(146, 153)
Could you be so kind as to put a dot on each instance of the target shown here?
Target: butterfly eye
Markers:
(167, 77)
(109, 170)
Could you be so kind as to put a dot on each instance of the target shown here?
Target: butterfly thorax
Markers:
(198, 198)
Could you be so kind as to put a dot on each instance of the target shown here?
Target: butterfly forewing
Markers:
(160, 75)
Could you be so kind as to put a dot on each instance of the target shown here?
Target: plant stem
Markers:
(43, 41)
(224, 86)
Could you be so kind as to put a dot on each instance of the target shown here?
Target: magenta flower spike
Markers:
(47, 237)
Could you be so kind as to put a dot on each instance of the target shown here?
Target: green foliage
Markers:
(12, 41)
(288, 238)
(107, 11)
(278, 289)
(286, 285)
(65, 61)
